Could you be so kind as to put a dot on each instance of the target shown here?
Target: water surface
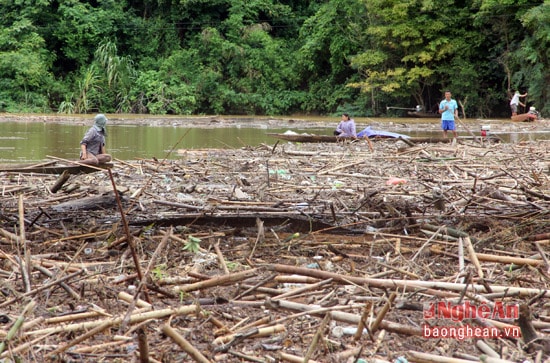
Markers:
(22, 142)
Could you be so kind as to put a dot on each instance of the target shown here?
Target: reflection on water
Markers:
(34, 141)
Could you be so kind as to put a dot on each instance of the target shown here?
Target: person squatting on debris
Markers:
(346, 127)
(92, 146)
(448, 108)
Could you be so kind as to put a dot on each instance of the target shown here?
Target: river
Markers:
(22, 142)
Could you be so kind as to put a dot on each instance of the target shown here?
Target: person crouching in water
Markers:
(92, 146)
(346, 127)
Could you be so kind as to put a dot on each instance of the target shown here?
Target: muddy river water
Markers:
(132, 138)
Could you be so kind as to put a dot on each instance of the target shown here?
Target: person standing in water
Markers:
(448, 108)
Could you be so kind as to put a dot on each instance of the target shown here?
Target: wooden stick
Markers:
(317, 337)
(486, 349)
(343, 316)
(60, 181)
(257, 332)
(460, 258)
(40, 288)
(419, 357)
(217, 281)
(66, 287)
(124, 296)
(25, 262)
(362, 322)
(184, 344)
(473, 256)
(294, 358)
(382, 314)
(18, 323)
(220, 256)
(135, 318)
(98, 329)
(394, 284)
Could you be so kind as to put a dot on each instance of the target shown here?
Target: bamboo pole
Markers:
(195, 354)
(318, 335)
(394, 284)
(254, 333)
(135, 318)
(217, 281)
(473, 256)
(18, 323)
(419, 357)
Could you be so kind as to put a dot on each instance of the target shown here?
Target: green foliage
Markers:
(271, 57)
(159, 271)
(192, 244)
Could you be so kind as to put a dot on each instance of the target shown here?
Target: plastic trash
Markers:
(395, 181)
(339, 331)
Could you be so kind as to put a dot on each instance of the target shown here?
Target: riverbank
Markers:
(277, 251)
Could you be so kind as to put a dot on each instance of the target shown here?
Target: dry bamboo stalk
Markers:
(124, 296)
(378, 342)
(317, 337)
(60, 181)
(294, 358)
(184, 344)
(295, 279)
(382, 314)
(352, 352)
(543, 255)
(217, 281)
(12, 237)
(364, 318)
(26, 269)
(221, 259)
(255, 287)
(22, 347)
(129, 237)
(143, 345)
(302, 289)
(259, 332)
(340, 316)
(18, 323)
(66, 287)
(400, 270)
(254, 324)
(322, 172)
(486, 349)
(72, 317)
(419, 357)
(508, 259)
(394, 284)
(97, 347)
(460, 258)
(40, 288)
(78, 237)
(135, 318)
(98, 329)
(473, 256)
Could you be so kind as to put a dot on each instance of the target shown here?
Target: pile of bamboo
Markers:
(284, 252)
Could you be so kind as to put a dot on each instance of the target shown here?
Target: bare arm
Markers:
(84, 153)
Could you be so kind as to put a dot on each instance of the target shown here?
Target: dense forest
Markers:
(268, 57)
